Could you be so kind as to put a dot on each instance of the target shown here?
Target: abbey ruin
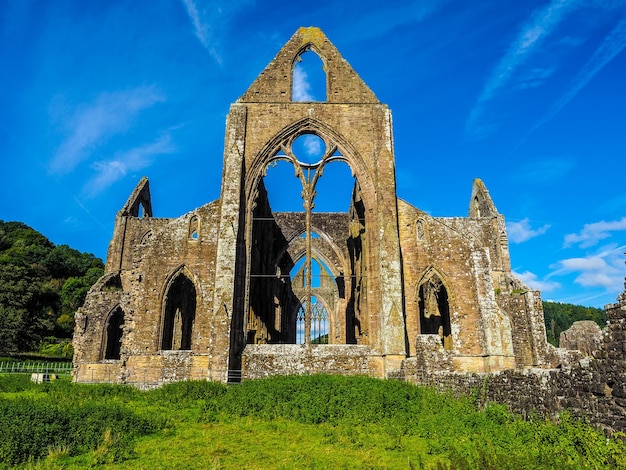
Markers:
(236, 289)
(236, 286)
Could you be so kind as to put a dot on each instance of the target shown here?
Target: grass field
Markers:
(300, 422)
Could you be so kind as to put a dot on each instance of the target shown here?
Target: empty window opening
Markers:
(313, 327)
(309, 78)
(300, 324)
(435, 310)
(319, 323)
(113, 334)
(194, 228)
(307, 176)
(180, 314)
(284, 189)
(319, 271)
(309, 148)
(334, 188)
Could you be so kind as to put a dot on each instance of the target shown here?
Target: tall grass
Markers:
(319, 421)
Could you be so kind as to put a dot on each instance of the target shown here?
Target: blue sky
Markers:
(528, 96)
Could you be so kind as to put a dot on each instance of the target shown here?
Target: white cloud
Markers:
(313, 145)
(521, 231)
(201, 29)
(208, 22)
(530, 279)
(109, 171)
(591, 234)
(603, 269)
(541, 24)
(612, 45)
(90, 125)
(301, 85)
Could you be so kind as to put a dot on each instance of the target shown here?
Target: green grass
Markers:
(283, 422)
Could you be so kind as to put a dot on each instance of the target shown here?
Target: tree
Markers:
(41, 286)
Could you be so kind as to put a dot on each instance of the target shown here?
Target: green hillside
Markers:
(41, 287)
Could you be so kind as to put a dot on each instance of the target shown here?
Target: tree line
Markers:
(41, 287)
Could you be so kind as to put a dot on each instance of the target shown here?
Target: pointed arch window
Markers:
(194, 228)
(313, 316)
(113, 330)
(309, 77)
(294, 181)
(319, 323)
(179, 314)
(420, 230)
(435, 310)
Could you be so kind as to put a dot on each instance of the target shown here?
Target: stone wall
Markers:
(590, 387)
(295, 359)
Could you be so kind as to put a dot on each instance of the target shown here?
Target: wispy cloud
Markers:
(602, 269)
(110, 171)
(535, 78)
(541, 24)
(209, 18)
(387, 17)
(613, 44)
(531, 280)
(301, 85)
(89, 125)
(313, 145)
(521, 231)
(545, 170)
(591, 234)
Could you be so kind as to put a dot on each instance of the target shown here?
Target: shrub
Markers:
(31, 427)
(12, 383)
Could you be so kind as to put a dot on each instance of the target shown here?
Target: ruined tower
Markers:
(237, 288)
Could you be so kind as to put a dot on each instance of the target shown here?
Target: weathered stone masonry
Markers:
(230, 285)
(590, 382)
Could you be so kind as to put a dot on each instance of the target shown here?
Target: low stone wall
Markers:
(585, 391)
(591, 387)
(262, 360)
(105, 371)
(148, 370)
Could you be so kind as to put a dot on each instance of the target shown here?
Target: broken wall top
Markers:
(274, 85)
(139, 198)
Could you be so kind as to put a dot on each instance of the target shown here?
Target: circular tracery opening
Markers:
(309, 149)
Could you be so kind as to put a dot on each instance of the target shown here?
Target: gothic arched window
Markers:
(179, 315)
(113, 334)
(435, 310)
